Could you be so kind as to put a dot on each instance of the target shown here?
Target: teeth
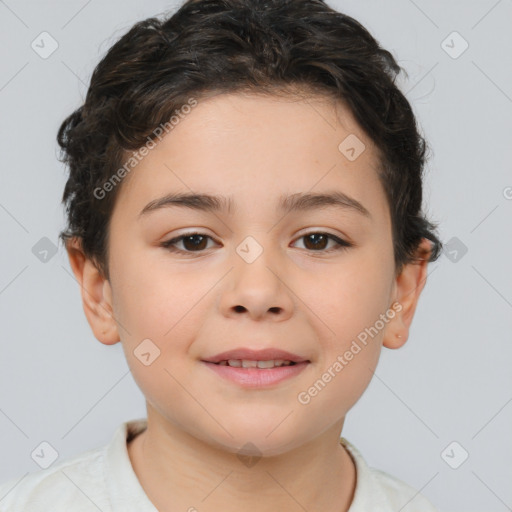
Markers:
(245, 363)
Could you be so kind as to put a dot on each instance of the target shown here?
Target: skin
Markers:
(307, 301)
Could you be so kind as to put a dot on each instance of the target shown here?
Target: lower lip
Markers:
(255, 377)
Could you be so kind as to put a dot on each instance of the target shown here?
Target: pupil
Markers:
(315, 244)
(196, 244)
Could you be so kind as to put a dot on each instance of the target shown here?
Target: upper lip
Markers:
(268, 354)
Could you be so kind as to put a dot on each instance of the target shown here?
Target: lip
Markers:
(267, 354)
(255, 377)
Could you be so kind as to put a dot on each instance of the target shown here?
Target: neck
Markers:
(179, 472)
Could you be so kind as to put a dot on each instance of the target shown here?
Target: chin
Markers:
(258, 441)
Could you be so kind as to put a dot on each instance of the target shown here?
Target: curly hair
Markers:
(224, 46)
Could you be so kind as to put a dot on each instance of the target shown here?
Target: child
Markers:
(244, 216)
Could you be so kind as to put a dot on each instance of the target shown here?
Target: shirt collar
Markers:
(368, 494)
(123, 487)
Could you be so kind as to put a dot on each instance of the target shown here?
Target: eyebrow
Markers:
(287, 203)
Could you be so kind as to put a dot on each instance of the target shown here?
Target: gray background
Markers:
(451, 381)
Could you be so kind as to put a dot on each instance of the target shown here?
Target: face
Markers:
(266, 271)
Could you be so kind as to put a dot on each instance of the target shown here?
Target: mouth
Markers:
(249, 358)
(257, 369)
(250, 363)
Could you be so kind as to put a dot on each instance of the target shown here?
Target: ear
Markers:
(96, 294)
(407, 289)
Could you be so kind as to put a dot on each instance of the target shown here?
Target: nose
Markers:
(258, 289)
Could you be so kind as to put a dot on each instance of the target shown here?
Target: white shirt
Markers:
(103, 480)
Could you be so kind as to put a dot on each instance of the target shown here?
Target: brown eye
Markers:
(318, 242)
(195, 242)
(192, 242)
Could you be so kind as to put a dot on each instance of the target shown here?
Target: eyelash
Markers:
(341, 244)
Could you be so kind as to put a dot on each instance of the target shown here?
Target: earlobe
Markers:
(408, 287)
(394, 340)
(96, 294)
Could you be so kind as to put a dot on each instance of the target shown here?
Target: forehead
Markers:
(256, 148)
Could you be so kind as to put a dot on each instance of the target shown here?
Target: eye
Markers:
(198, 242)
(192, 242)
(317, 242)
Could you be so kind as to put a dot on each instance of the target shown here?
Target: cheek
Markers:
(359, 294)
(160, 314)
(151, 299)
(166, 307)
(355, 295)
